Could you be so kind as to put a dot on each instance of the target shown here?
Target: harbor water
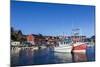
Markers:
(28, 56)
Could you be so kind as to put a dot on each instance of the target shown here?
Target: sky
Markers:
(52, 19)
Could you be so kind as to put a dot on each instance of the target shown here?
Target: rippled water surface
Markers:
(21, 56)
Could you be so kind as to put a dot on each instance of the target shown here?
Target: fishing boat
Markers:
(64, 46)
(79, 44)
(79, 47)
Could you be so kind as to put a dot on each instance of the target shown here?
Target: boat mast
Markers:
(75, 34)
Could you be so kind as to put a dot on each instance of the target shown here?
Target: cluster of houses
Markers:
(40, 40)
(19, 39)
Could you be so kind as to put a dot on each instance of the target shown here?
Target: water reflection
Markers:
(79, 57)
(63, 57)
(28, 56)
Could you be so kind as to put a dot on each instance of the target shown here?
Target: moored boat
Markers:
(63, 48)
(65, 45)
(79, 47)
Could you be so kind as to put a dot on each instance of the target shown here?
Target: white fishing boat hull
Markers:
(63, 49)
